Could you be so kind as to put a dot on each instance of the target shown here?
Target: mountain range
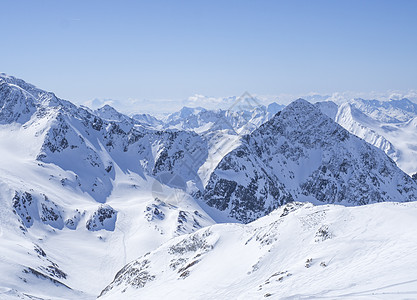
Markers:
(95, 202)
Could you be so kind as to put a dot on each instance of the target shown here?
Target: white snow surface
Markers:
(299, 251)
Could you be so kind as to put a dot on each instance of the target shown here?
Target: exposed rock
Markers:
(301, 154)
(103, 218)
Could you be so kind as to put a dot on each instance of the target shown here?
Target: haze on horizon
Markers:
(156, 55)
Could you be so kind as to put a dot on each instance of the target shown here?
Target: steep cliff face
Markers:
(16, 104)
(301, 154)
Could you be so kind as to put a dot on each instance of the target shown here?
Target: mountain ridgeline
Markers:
(83, 192)
(301, 154)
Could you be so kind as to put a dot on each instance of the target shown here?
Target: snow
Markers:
(388, 125)
(355, 252)
(84, 194)
(302, 155)
(89, 258)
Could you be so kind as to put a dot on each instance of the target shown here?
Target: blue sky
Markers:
(147, 51)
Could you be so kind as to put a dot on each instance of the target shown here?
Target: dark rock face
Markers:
(155, 212)
(30, 207)
(136, 274)
(301, 154)
(186, 218)
(25, 207)
(16, 105)
(49, 214)
(103, 218)
(160, 212)
(54, 271)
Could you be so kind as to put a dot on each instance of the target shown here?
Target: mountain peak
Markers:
(299, 106)
(107, 107)
(303, 155)
(300, 114)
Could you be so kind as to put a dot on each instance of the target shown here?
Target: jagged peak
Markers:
(23, 85)
(16, 81)
(274, 107)
(299, 112)
(39, 96)
(383, 103)
(299, 103)
(107, 107)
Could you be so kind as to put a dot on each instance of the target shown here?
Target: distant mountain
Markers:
(240, 121)
(393, 111)
(148, 120)
(220, 129)
(108, 113)
(388, 125)
(302, 155)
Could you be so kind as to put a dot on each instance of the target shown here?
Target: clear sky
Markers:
(153, 50)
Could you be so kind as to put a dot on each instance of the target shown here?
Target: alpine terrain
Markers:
(297, 201)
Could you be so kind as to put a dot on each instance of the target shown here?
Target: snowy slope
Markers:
(388, 125)
(301, 154)
(58, 165)
(299, 251)
(51, 257)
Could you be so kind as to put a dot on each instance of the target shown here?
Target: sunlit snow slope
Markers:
(80, 196)
(299, 251)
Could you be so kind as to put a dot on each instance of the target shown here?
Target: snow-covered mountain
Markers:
(82, 195)
(299, 251)
(234, 121)
(221, 129)
(148, 120)
(388, 125)
(301, 154)
(83, 192)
